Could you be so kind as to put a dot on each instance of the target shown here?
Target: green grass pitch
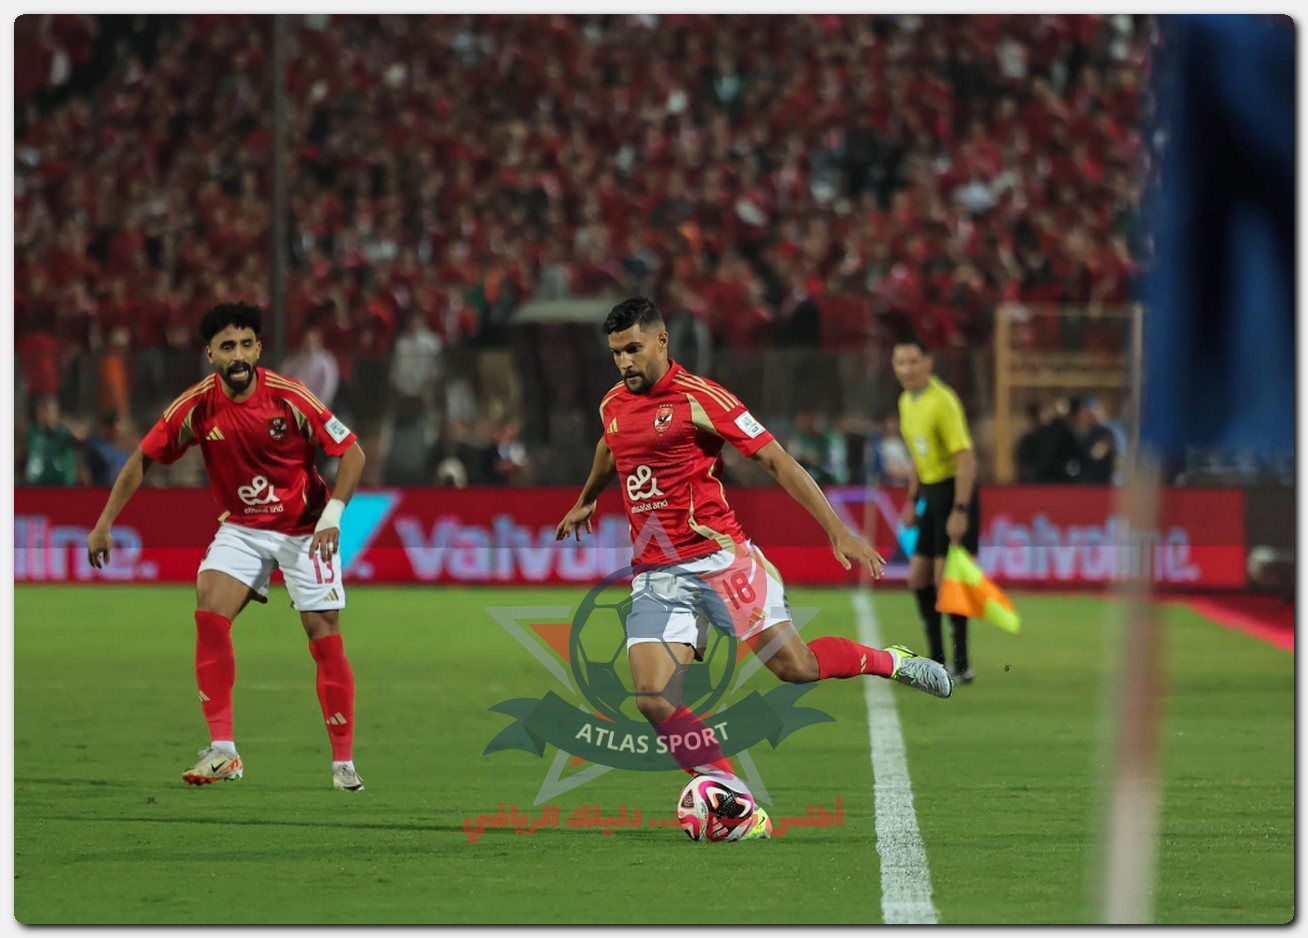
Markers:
(1005, 776)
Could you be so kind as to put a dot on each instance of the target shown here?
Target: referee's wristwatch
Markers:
(961, 506)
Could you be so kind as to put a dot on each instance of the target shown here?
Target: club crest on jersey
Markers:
(277, 428)
(663, 417)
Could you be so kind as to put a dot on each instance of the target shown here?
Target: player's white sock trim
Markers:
(226, 745)
(348, 763)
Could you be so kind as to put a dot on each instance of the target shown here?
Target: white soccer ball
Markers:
(709, 809)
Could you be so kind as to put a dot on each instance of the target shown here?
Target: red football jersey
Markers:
(258, 453)
(666, 444)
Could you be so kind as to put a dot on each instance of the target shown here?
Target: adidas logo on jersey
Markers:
(215, 434)
(613, 425)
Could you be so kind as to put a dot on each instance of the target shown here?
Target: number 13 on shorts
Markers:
(318, 568)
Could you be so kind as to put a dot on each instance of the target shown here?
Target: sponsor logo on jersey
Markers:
(641, 484)
(336, 430)
(277, 428)
(749, 426)
(613, 425)
(214, 435)
(663, 417)
(649, 506)
(258, 494)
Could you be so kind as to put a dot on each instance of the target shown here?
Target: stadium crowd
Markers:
(814, 180)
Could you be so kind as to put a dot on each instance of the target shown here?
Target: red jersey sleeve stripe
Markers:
(725, 400)
(291, 384)
(717, 393)
(715, 388)
(193, 391)
(278, 383)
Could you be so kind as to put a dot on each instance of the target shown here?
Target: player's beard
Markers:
(642, 383)
(241, 383)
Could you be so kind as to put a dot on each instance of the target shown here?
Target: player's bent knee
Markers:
(321, 624)
(220, 597)
(654, 707)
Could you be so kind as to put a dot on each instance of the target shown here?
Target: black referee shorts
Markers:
(932, 539)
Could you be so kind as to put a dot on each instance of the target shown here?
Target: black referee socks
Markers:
(926, 607)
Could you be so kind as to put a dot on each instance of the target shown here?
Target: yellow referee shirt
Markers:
(934, 428)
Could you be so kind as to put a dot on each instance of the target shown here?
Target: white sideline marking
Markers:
(905, 877)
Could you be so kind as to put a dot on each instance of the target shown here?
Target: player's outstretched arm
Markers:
(327, 533)
(99, 541)
(848, 547)
(602, 472)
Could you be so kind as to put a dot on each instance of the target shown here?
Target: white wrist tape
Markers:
(331, 516)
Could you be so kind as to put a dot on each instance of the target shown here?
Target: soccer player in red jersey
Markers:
(257, 432)
(663, 432)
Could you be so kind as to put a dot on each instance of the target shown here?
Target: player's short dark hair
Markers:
(915, 342)
(240, 315)
(637, 311)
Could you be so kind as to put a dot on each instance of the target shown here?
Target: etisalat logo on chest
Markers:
(597, 724)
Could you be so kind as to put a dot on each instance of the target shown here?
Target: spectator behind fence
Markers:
(887, 460)
(51, 447)
(1097, 443)
(1050, 451)
(507, 457)
(314, 366)
(408, 445)
(115, 374)
(819, 448)
(1027, 449)
(416, 362)
(107, 449)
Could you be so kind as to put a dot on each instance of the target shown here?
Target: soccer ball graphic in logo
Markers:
(598, 644)
(708, 809)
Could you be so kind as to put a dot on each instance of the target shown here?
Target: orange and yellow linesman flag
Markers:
(966, 591)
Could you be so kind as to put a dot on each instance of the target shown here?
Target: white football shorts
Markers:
(734, 589)
(250, 555)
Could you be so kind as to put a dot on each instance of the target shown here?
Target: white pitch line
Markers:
(905, 877)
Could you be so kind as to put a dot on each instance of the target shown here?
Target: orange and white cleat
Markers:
(214, 766)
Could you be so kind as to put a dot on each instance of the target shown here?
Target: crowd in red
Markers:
(781, 178)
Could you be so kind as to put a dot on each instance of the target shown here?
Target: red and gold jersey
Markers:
(258, 452)
(666, 445)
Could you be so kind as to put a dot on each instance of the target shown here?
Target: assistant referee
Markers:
(944, 479)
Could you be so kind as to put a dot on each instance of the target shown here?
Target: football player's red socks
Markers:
(839, 657)
(690, 742)
(335, 693)
(215, 671)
